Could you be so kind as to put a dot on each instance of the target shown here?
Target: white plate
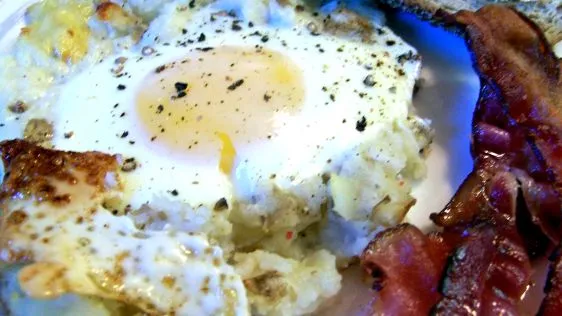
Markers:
(448, 94)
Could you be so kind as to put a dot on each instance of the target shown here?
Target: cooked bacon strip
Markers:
(489, 269)
(407, 267)
(552, 304)
(466, 277)
(487, 189)
(518, 119)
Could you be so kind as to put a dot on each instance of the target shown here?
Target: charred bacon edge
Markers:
(483, 212)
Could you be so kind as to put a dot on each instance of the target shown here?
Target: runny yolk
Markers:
(228, 154)
(214, 101)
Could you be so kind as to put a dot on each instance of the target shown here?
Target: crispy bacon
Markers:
(510, 206)
(552, 304)
(406, 266)
(517, 123)
(489, 269)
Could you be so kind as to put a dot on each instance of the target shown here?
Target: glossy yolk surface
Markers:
(217, 99)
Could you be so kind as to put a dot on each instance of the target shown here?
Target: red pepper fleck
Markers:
(289, 235)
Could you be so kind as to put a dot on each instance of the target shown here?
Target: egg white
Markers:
(324, 129)
(348, 145)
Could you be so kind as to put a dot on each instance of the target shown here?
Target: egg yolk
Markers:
(228, 154)
(216, 100)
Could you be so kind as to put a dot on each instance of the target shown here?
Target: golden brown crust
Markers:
(106, 11)
(120, 20)
(31, 173)
(547, 14)
(30, 169)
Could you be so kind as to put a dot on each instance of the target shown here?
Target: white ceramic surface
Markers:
(448, 95)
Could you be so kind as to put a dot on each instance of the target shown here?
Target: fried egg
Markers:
(263, 131)
(234, 109)
(57, 221)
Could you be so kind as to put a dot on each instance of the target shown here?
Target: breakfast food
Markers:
(204, 158)
(508, 211)
(547, 14)
(553, 288)
(59, 223)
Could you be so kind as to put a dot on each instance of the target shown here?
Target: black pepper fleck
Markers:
(174, 192)
(264, 39)
(390, 43)
(130, 164)
(236, 84)
(124, 134)
(369, 81)
(180, 86)
(159, 109)
(121, 87)
(236, 26)
(201, 37)
(361, 124)
(191, 4)
(221, 205)
(266, 97)
(409, 56)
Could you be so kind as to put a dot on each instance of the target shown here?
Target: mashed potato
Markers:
(281, 286)
(285, 231)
